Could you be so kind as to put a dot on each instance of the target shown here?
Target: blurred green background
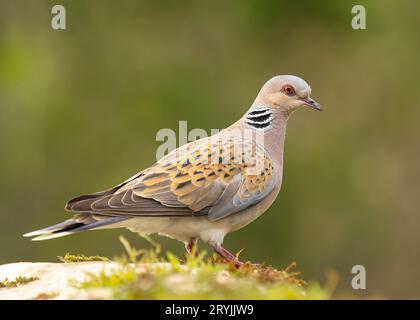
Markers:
(80, 108)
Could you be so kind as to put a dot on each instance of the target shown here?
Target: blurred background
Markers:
(80, 109)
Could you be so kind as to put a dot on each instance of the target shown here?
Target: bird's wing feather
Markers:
(210, 176)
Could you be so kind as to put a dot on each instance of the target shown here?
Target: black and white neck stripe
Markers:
(260, 117)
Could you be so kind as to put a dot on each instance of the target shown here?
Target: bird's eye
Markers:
(289, 90)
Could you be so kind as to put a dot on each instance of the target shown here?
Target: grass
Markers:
(71, 258)
(17, 282)
(149, 274)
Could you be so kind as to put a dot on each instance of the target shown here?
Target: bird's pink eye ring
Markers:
(289, 90)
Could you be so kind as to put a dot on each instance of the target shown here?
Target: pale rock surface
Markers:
(54, 280)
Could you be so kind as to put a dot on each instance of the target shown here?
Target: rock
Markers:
(53, 280)
(150, 280)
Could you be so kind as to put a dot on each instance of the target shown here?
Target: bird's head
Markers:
(286, 93)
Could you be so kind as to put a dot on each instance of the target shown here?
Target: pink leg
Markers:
(191, 246)
(229, 257)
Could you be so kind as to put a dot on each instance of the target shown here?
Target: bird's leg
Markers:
(228, 256)
(191, 247)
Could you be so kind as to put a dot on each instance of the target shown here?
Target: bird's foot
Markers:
(191, 247)
(227, 256)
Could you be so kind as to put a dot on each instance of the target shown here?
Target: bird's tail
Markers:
(80, 222)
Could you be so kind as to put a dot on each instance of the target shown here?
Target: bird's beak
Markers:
(312, 103)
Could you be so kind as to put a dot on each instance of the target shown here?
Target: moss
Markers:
(69, 258)
(146, 274)
(46, 296)
(17, 282)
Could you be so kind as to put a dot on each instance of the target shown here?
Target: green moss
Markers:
(17, 282)
(146, 274)
(69, 258)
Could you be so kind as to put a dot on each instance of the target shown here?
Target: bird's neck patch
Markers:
(259, 117)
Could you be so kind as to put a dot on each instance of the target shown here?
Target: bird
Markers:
(206, 188)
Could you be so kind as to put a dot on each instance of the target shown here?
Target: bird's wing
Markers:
(210, 176)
